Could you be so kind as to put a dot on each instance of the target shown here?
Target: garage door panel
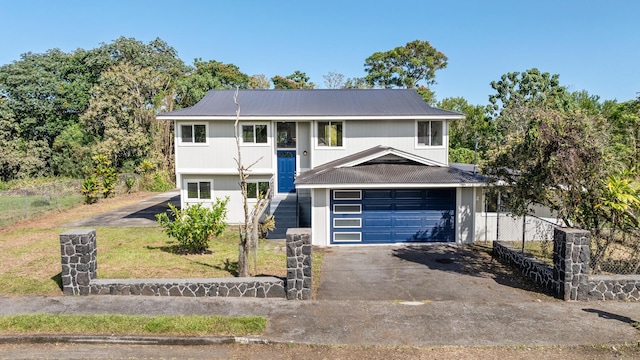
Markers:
(377, 237)
(377, 194)
(408, 221)
(373, 222)
(402, 215)
(410, 194)
(377, 207)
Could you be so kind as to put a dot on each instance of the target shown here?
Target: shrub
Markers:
(90, 190)
(129, 182)
(194, 226)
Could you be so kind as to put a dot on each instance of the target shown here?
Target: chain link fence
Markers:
(616, 252)
(20, 204)
(613, 251)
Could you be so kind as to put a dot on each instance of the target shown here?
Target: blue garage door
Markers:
(392, 215)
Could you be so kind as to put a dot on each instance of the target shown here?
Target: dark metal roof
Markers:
(312, 102)
(367, 174)
(379, 171)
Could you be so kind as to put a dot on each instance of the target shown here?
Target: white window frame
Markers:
(198, 182)
(359, 226)
(317, 133)
(257, 182)
(347, 191)
(193, 143)
(417, 137)
(342, 212)
(347, 233)
(254, 143)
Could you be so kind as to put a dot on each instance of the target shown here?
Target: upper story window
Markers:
(254, 134)
(193, 134)
(286, 135)
(330, 133)
(430, 133)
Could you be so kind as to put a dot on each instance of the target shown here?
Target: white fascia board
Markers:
(309, 118)
(225, 171)
(388, 186)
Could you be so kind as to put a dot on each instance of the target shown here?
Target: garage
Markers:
(384, 216)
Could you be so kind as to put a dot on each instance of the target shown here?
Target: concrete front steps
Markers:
(283, 208)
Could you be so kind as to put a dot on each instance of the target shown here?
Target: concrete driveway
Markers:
(421, 273)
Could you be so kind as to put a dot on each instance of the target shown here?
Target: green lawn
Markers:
(31, 265)
(132, 325)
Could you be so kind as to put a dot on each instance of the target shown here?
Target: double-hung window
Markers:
(430, 133)
(254, 134)
(193, 133)
(330, 133)
(200, 190)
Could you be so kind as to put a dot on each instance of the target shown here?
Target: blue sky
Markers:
(592, 45)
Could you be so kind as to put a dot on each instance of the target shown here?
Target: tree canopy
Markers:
(405, 66)
(297, 80)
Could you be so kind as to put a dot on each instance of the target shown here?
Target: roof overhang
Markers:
(391, 186)
(308, 118)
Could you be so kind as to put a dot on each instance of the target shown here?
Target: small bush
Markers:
(194, 226)
(129, 182)
(90, 190)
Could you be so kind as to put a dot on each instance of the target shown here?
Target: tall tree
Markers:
(624, 122)
(121, 116)
(356, 83)
(333, 80)
(259, 81)
(556, 160)
(405, 66)
(297, 80)
(205, 76)
(530, 88)
(469, 138)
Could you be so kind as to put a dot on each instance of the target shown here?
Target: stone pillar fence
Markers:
(78, 251)
(569, 277)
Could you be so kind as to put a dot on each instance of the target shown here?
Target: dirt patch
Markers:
(312, 352)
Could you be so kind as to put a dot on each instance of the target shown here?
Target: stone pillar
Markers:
(571, 255)
(78, 250)
(299, 264)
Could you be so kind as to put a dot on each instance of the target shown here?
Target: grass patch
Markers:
(132, 325)
(30, 258)
(541, 250)
(125, 253)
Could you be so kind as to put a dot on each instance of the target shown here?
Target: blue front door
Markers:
(286, 170)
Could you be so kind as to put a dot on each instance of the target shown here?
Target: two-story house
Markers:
(373, 164)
